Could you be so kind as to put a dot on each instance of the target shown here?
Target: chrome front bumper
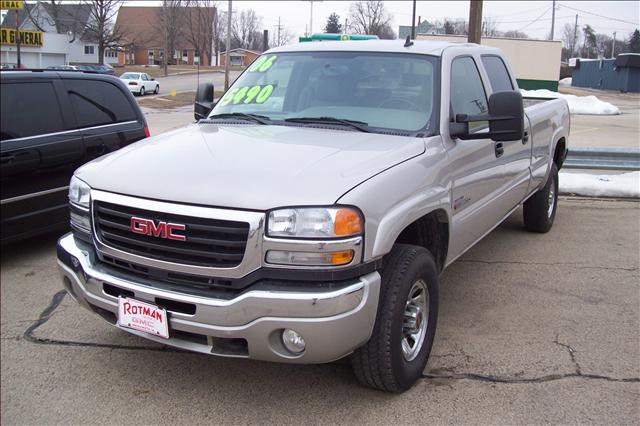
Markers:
(333, 322)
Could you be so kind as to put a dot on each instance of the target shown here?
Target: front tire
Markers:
(540, 210)
(157, 89)
(397, 353)
(142, 91)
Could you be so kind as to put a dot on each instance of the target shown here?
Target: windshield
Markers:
(128, 76)
(381, 90)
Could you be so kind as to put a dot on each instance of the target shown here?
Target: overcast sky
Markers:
(510, 15)
(531, 17)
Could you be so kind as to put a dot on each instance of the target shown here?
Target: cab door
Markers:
(517, 153)
(475, 165)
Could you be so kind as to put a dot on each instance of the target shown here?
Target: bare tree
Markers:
(99, 28)
(514, 34)
(199, 26)
(169, 25)
(489, 27)
(370, 17)
(570, 38)
(280, 38)
(448, 27)
(245, 30)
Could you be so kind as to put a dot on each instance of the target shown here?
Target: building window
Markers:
(161, 53)
(196, 54)
(184, 53)
(89, 49)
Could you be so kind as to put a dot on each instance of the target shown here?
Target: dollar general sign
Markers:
(10, 4)
(27, 38)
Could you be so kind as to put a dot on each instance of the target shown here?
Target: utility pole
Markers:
(413, 22)
(475, 21)
(18, 38)
(226, 59)
(613, 46)
(575, 34)
(553, 20)
(311, 17)
(345, 25)
(278, 27)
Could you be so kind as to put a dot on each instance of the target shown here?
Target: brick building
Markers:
(144, 41)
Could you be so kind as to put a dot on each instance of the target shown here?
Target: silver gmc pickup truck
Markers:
(307, 215)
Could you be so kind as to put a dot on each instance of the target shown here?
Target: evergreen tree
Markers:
(634, 42)
(333, 24)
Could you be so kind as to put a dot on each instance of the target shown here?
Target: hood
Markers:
(248, 166)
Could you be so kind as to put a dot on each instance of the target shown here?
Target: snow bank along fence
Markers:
(603, 158)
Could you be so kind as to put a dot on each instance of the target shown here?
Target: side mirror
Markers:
(153, 79)
(505, 117)
(204, 101)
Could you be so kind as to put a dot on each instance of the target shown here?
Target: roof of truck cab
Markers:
(425, 47)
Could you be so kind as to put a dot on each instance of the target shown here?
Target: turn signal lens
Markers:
(347, 222)
(341, 257)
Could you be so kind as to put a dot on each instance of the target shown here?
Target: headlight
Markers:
(79, 193)
(315, 222)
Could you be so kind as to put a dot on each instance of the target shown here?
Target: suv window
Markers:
(98, 102)
(497, 72)
(467, 92)
(29, 109)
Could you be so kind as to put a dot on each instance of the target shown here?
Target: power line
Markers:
(519, 13)
(598, 15)
(535, 20)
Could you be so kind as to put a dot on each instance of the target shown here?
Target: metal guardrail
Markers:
(603, 158)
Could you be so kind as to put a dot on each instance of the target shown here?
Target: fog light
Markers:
(293, 341)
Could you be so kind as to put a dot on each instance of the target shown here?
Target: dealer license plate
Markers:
(142, 316)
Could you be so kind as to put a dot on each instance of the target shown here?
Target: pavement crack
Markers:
(572, 354)
(577, 374)
(48, 312)
(520, 380)
(575, 265)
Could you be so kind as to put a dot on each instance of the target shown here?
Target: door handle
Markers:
(525, 138)
(499, 149)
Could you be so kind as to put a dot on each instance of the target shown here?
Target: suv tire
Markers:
(540, 210)
(384, 362)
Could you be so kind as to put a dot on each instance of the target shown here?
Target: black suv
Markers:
(51, 123)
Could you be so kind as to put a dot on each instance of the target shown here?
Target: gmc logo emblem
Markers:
(166, 230)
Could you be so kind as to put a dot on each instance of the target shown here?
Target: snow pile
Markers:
(565, 82)
(625, 185)
(577, 104)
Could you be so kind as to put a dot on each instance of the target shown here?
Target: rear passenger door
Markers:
(104, 115)
(38, 155)
(517, 153)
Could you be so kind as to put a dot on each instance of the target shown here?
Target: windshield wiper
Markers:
(262, 119)
(358, 125)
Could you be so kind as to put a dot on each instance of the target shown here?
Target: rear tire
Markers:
(142, 91)
(540, 210)
(386, 362)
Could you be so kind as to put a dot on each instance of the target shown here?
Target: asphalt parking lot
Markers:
(532, 329)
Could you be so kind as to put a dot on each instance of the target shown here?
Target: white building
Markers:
(61, 40)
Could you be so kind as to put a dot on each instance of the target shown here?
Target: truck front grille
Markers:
(208, 242)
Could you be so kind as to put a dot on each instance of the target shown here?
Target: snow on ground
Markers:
(565, 82)
(577, 104)
(624, 185)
